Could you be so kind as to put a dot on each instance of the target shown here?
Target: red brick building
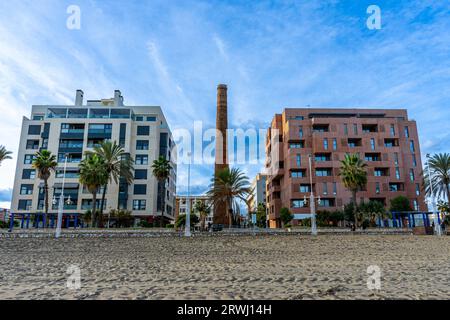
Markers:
(385, 139)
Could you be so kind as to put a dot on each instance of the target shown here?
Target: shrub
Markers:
(145, 224)
(286, 216)
(287, 225)
(169, 226)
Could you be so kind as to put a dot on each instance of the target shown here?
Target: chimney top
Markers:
(222, 86)
(118, 99)
(79, 97)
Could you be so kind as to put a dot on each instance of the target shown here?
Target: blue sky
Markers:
(271, 54)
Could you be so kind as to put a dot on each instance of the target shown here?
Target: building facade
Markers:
(182, 202)
(385, 139)
(259, 192)
(70, 130)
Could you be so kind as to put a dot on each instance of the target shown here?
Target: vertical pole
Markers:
(28, 220)
(22, 220)
(413, 220)
(75, 223)
(11, 221)
(311, 201)
(187, 228)
(61, 202)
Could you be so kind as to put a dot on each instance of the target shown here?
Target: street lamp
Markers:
(311, 200)
(437, 227)
(187, 229)
(61, 201)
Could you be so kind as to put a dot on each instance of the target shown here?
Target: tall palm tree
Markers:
(118, 164)
(4, 154)
(161, 170)
(45, 162)
(228, 186)
(439, 166)
(202, 208)
(93, 175)
(354, 176)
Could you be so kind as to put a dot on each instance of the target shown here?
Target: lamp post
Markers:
(311, 200)
(187, 228)
(61, 201)
(437, 227)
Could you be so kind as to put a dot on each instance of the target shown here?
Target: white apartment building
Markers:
(182, 202)
(70, 130)
(259, 192)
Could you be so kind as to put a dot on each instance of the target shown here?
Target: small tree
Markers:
(400, 203)
(181, 220)
(261, 215)
(286, 216)
(203, 210)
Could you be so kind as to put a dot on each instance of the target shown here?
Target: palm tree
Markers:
(45, 162)
(4, 154)
(161, 170)
(439, 166)
(93, 175)
(354, 176)
(118, 164)
(202, 208)
(228, 186)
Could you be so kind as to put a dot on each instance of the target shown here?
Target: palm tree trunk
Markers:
(447, 187)
(46, 199)
(163, 204)
(103, 201)
(230, 213)
(354, 208)
(94, 209)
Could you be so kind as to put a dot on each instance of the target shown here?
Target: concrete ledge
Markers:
(145, 233)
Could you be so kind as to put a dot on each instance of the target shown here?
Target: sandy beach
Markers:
(225, 267)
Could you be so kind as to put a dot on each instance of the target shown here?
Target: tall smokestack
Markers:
(221, 162)
(221, 127)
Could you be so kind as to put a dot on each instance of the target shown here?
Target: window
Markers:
(70, 173)
(411, 146)
(296, 145)
(396, 158)
(381, 172)
(334, 144)
(389, 143)
(77, 113)
(44, 143)
(26, 189)
(326, 203)
(417, 189)
(372, 143)
(411, 174)
(334, 188)
(99, 113)
(139, 118)
(355, 128)
(71, 157)
(28, 174)
(86, 204)
(354, 142)
(377, 187)
(406, 132)
(34, 130)
(320, 157)
(323, 172)
(32, 144)
(140, 189)
(140, 174)
(24, 204)
(143, 130)
(73, 128)
(414, 161)
(298, 174)
(29, 158)
(372, 157)
(300, 132)
(139, 204)
(325, 188)
(397, 173)
(142, 145)
(38, 117)
(298, 203)
(141, 159)
(325, 144)
(320, 128)
(416, 205)
(152, 119)
(345, 129)
(392, 130)
(299, 160)
(305, 188)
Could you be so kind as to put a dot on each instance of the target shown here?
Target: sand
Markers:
(227, 267)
